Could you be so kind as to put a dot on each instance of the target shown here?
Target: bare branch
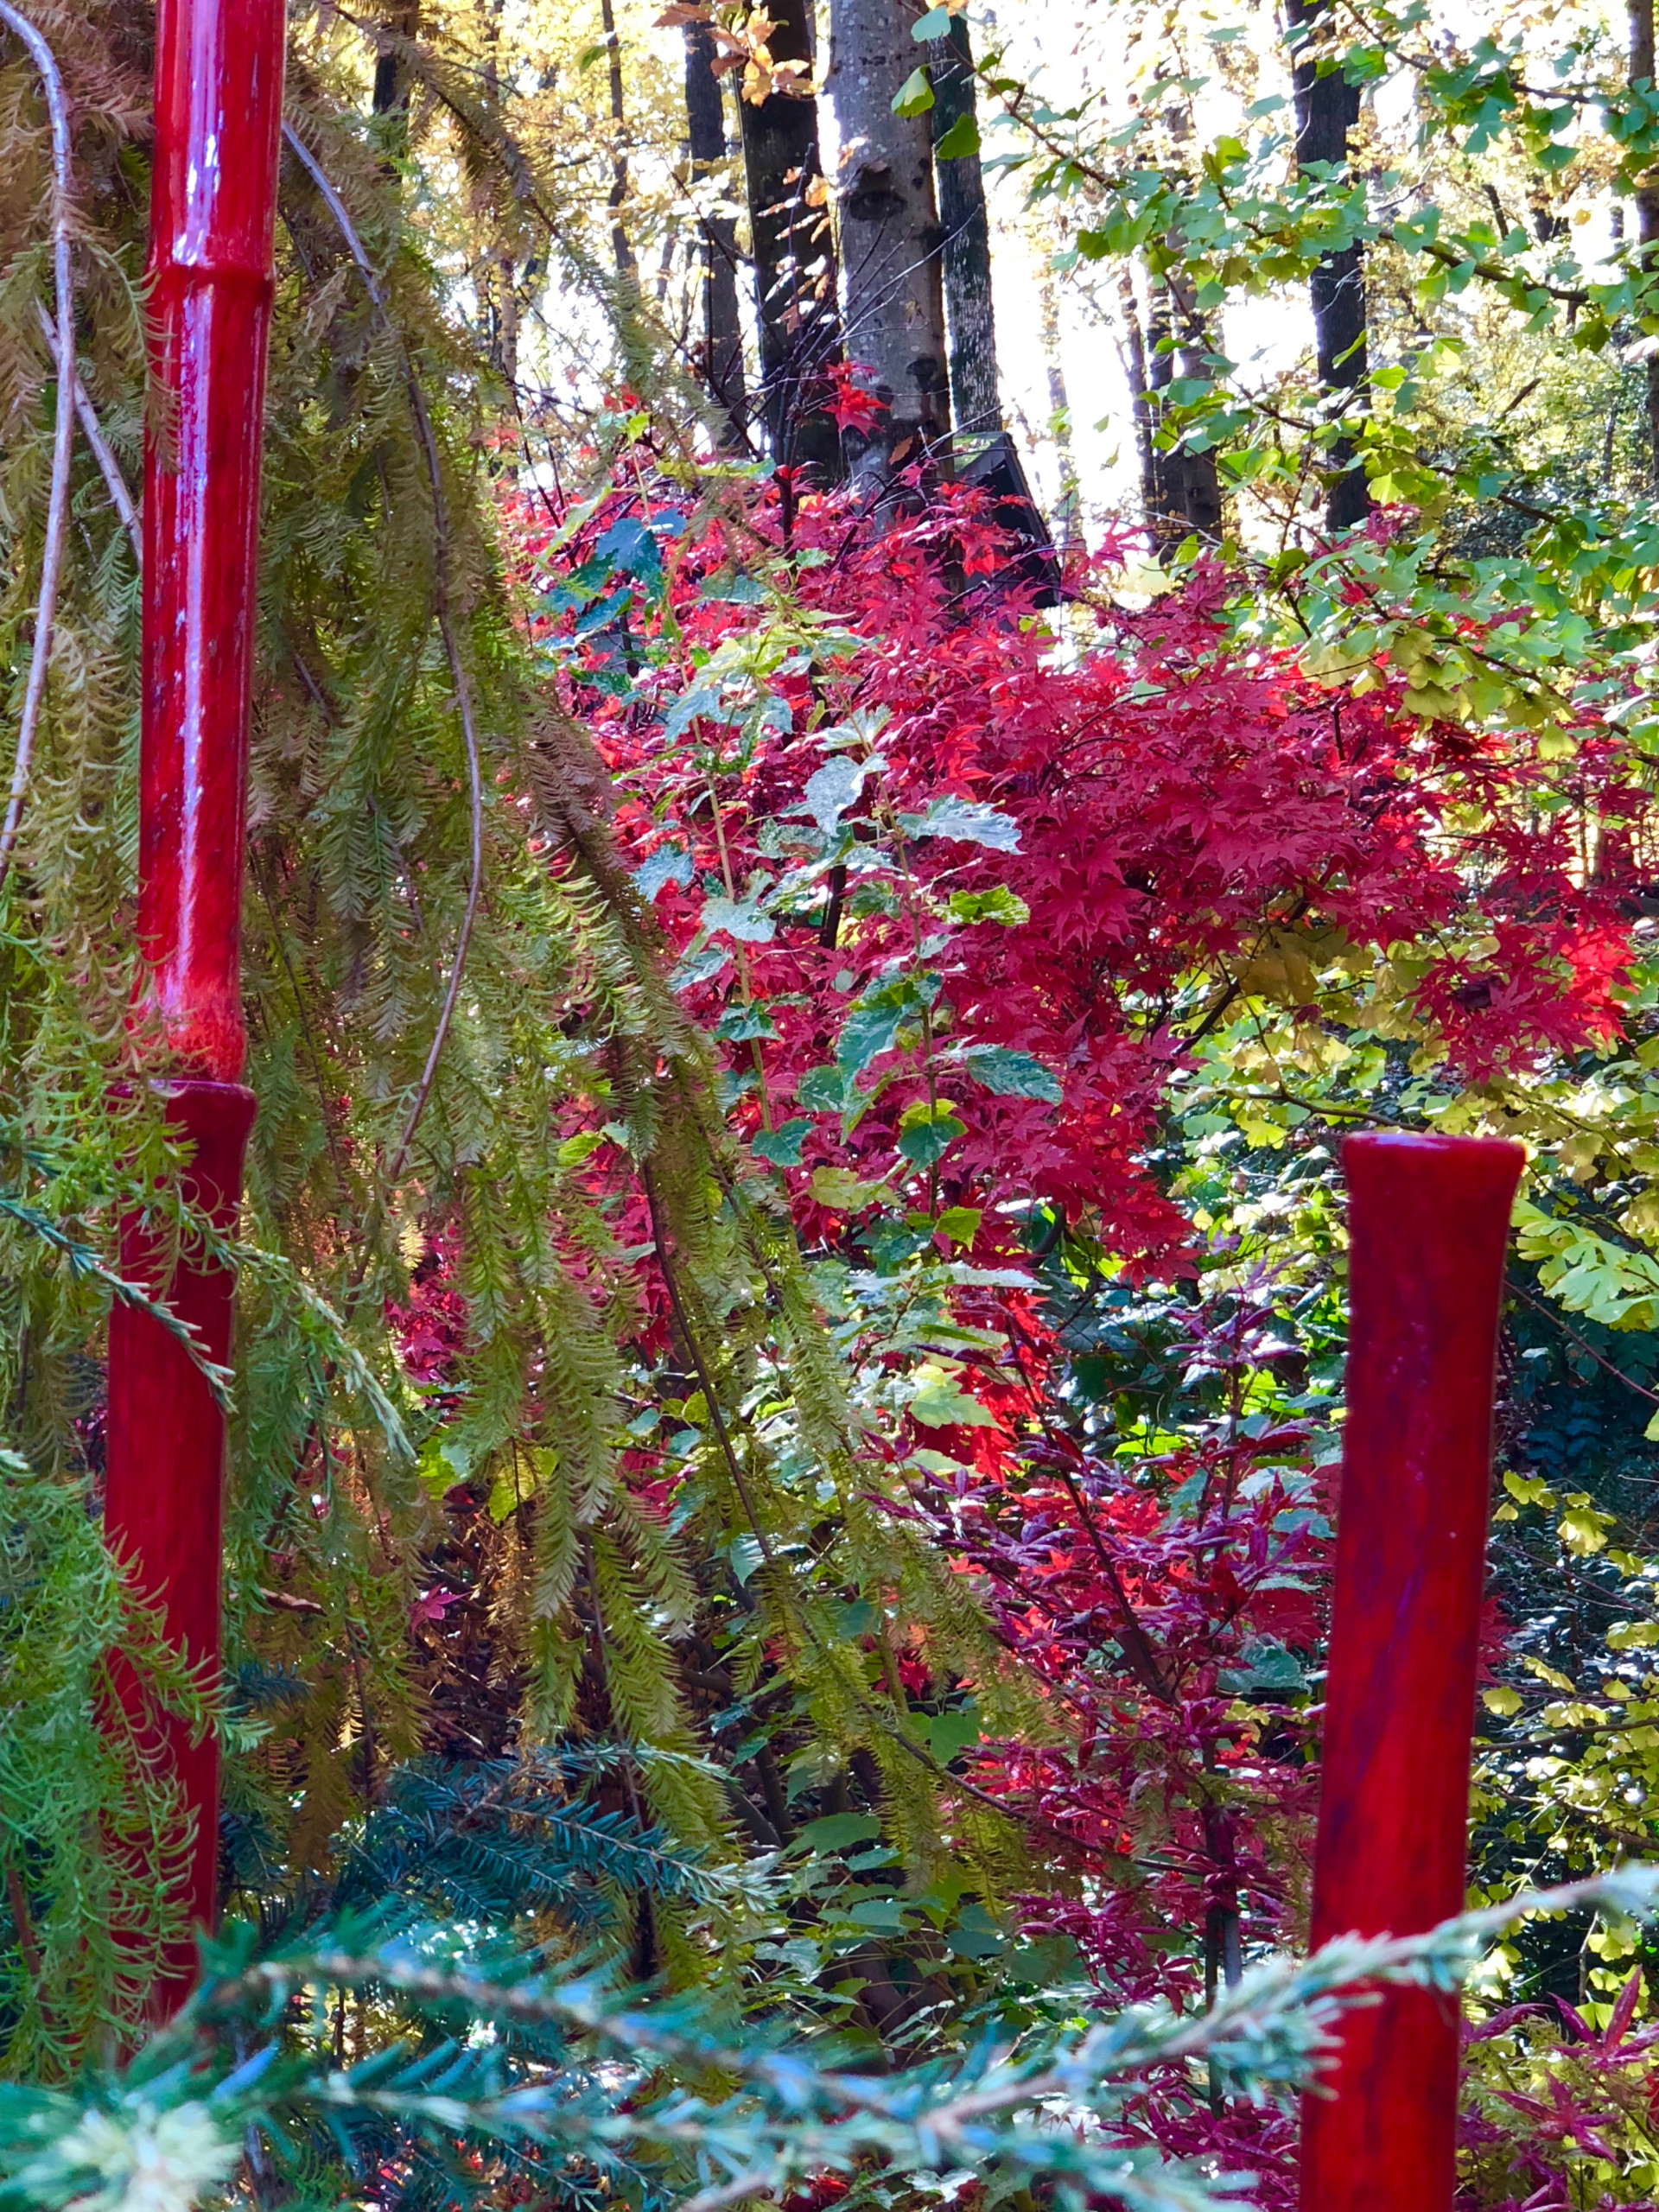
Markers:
(57, 511)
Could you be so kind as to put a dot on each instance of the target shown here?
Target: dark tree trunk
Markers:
(1647, 220)
(1186, 490)
(965, 249)
(722, 332)
(391, 93)
(627, 267)
(794, 259)
(1327, 107)
(892, 294)
(1194, 482)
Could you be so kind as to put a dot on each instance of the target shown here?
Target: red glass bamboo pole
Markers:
(1428, 1221)
(219, 98)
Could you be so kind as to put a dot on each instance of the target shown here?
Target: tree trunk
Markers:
(965, 250)
(722, 332)
(390, 94)
(794, 260)
(1327, 107)
(627, 267)
(1067, 508)
(892, 296)
(1185, 489)
(1194, 483)
(1647, 218)
(1134, 366)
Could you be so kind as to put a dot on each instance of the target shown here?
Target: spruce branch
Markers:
(715, 2111)
(85, 1265)
(57, 512)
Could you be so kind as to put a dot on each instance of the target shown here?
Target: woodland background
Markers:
(817, 912)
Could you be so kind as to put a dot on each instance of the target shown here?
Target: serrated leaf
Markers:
(740, 1023)
(668, 864)
(938, 1404)
(832, 789)
(1011, 1074)
(841, 1191)
(967, 820)
(926, 1143)
(999, 903)
(782, 1147)
(824, 1090)
(738, 918)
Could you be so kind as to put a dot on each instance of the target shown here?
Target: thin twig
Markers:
(57, 511)
(423, 418)
(1519, 1290)
(114, 483)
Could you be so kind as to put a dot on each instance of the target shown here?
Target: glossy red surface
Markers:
(218, 100)
(1428, 1222)
(218, 94)
(164, 1461)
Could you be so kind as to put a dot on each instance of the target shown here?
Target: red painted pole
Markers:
(219, 98)
(1428, 1222)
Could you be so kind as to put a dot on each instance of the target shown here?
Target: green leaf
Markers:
(1011, 1074)
(836, 1830)
(783, 1147)
(951, 1734)
(739, 918)
(960, 1224)
(740, 1023)
(915, 95)
(841, 1191)
(833, 788)
(927, 1142)
(824, 1090)
(668, 864)
(959, 140)
(936, 23)
(939, 1404)
(969, 821)
(885, 1916)
(999, 903)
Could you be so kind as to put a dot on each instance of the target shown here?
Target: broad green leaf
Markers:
(959, 140)
(1011, 1074)
(914, 95)
(927, 1142)
(833, 788)
(782, 1147)
(967, 820)
(836, 1830)
(668, 864)
(738, 918)
(999, 903)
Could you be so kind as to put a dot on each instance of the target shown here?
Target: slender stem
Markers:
(57, 511)
(92, 430)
